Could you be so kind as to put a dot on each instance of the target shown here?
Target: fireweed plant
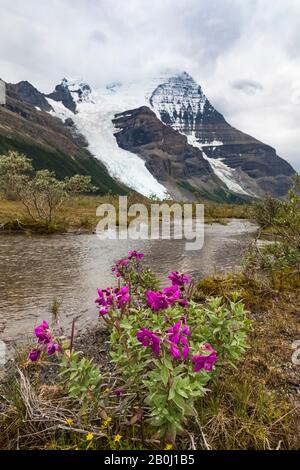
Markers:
(47, 344)
(165, 348)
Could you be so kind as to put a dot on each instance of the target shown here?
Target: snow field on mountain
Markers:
(94, 122)
(96, 111)
(223, 171)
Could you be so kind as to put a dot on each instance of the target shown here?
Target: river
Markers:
(35, 270)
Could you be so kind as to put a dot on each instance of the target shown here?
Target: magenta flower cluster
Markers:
(206, 360)
(110, 299)
(123, 264)
(150, 339)
(45, 342)
(179, 279)
(120, 267)
(135, 255)
(162, 299)
(178, 341)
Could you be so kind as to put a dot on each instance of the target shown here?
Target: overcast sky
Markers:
(244, 53)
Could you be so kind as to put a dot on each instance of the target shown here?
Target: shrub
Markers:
(82, 378)
(165, 349)
(281, 218)
(40, 192)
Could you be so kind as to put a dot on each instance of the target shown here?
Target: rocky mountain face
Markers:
(181, 104)
(180, 167)
(70, 92)
(161, 136)
(48, 141)
(24, 91)
(214, 159)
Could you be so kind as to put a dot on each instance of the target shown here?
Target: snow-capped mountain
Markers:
(94, 119)
(27, 126)
(71, 93)
(162, 136)
(181, 103)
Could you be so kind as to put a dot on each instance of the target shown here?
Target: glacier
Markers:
(224, 172)
(93, 119)
(166, 92)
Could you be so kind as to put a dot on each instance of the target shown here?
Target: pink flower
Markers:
(123, 296)
(34, 355)
(123, 300)
(120, 267)
(178, 338)
(157, 300)
(136, 255)
(173, 294)
(175, 351)
(148, 338)
(43, 333)
(174, 333)
(179, 279)
(186, 330)
(103, 311)
(186, 348)
(124, 290)
(111, 298)
(45, 340)
(161, 300)
(207, 360)
(52, 348)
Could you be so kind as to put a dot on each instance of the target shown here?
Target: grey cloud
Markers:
(250, 87)
(217, 42)
(98, 36)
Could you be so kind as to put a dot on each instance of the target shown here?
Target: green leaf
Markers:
(164, 375)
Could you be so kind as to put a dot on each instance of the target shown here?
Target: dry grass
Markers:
(35, 415)
(258, 405)
(79, 213)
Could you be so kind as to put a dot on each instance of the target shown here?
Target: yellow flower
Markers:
(90, 436)
(107, 422)
(169, 447)
(70, 422)
(117, 438)
(106, 391)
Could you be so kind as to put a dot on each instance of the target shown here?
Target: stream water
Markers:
(35, 270)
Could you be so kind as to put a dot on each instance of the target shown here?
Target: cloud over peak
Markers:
(245, 54)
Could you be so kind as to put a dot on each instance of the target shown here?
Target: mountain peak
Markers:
(181, 103)
(183, 76)
(79, 89)
(71, 92)
(212, 157)
(28, 93)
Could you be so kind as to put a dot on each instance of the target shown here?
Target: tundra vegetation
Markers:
(40, 192)
(36, 201)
